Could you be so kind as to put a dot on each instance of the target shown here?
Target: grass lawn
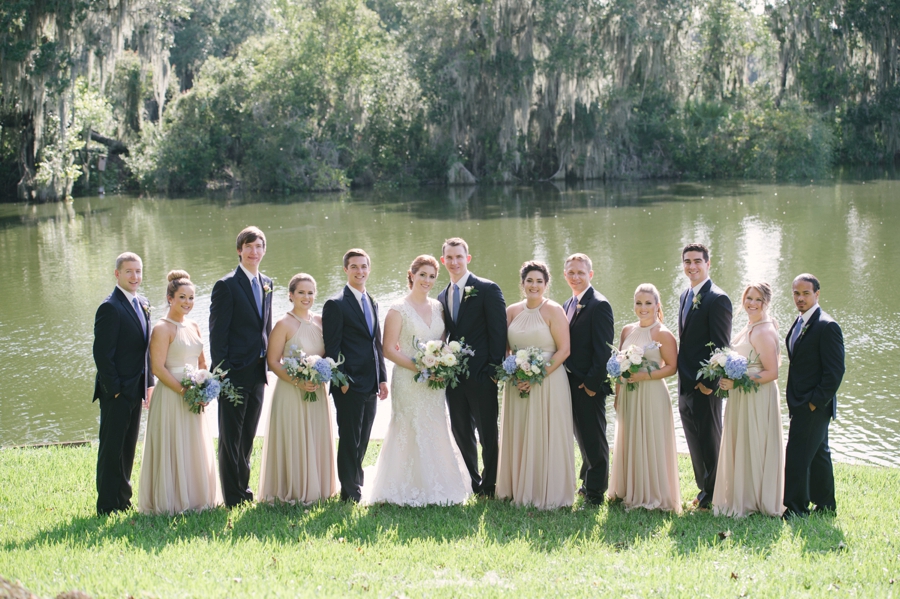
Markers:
(51, 541)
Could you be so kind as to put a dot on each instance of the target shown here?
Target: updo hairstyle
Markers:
(652, 290)
(533, 265)
(299, 278)
(418, 263)
(177, 279)
(765, 290)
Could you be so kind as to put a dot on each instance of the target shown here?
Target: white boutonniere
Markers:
(267, 288)
(803, 331)
(578, 308)
(146, 308)
(469, 291)
(696, 303)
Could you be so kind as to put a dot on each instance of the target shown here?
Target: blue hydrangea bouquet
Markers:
(727, 363)
(202, 386)
(526, 365)
(303, 367)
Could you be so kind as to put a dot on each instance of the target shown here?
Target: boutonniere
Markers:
(803, 331)
(578, 308)
(146, 308)
(469, 291)
(696, 303)
(267, 288)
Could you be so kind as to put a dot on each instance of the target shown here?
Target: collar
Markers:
(462, 281)
(357, 294)
(696, 289)
(808, 314)
(128, 296)
(581, 295)
(248, 273)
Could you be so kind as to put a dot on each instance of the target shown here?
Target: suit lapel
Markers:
(266, 297)
(809, 325)
(462, 300)
(355, 307)
(704, 291)
(129, 308)
(244, 283)
(585, 299)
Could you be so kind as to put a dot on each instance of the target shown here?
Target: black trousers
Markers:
(237, 430)
(808, 473)
(355, 415)
(120, 422)
(701, 419)
(473, 406)
(589, 416)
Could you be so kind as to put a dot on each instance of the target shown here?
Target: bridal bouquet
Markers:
(303, 367)
(625, 362)
(202, 386)
(523, 365)
(441, 364)
(725, 362)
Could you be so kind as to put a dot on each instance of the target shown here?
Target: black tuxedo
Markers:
(123, 369)
(815, 373)
(473, 404)
(591, 331)
(346, 333)
(238, 337)
(708, 320)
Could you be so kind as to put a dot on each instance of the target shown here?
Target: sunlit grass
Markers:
(51, 542)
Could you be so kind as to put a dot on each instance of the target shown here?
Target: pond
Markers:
(57, 262)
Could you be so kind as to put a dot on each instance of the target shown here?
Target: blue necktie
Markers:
(257, 295)
(795, 334)
(455, 302)
(137, 310)
(368, 314)
(570, 311)
(687, 306)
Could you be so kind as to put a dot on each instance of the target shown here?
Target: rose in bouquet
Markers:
(441, 364)
(625, 362)
(202, 386)
(727, 363)
(303, 368)
(523, 365)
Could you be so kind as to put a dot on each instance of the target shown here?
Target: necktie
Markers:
(257, 295)
(368, 314)
(795, 334)
(455, 302)
(137, 310)
(687, 306)
(570, 312)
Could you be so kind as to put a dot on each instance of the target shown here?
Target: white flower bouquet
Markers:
(527, 365)
(441, 364)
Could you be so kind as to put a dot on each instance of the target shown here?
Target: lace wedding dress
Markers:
(419, 463)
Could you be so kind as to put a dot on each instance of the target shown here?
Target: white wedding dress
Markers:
(419, 463)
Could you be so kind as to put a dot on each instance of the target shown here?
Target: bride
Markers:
(419, 464)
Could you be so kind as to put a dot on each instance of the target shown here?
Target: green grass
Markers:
(51, 542)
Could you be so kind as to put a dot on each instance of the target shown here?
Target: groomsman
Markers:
(591, 329)
(816, 349)
(350, 327)
(121, 342)
(704, 317)
(240, 320)
(474, 312)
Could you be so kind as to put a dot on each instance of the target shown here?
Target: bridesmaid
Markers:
(750, 474)
(178, 470)
(298, 459)
(645, 464)
(537, 452)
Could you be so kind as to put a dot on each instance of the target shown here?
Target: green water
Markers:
(57, 261)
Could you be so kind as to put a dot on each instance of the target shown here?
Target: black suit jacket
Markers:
(709, 322)
(481, 324)
(121, 348)
(817, 364)
(591, 332)
(346, 332)
(237, 333)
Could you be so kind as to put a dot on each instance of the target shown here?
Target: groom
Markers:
(474, 312)
(591, 331)
(704, 317)
(350, 327)
(121, 342)
(240, 320)
(816, 349)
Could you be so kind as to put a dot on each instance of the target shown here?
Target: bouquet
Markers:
(725, 362)
(523, 365)
(202, 386)
(303, 367)
(623, 363)
(441, 364)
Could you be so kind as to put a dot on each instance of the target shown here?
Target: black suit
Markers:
(708, 320)
(473, 404)
(347, 333)
(123, 368)
(238, 337)
(591, 331)
(814, 375)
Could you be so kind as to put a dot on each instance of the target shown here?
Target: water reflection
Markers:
(57, 263)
